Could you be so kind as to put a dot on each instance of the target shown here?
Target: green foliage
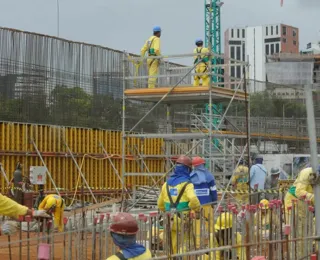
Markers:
(264, 104)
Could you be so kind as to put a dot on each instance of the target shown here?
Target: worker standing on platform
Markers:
(12, 209)
(240, 180)
(178, 195)
(202, 66)
(152, 46)
(258, 174)
(206, 191)
(272, 183)
(123, 231)
(223, 237)
(54, 204)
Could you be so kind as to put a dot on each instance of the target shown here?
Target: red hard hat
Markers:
(124, 223)
(185, 160)
(196, 161)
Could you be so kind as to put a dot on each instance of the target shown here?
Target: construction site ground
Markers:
(58, 247)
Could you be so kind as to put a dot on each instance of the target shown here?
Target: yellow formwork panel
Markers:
(16, 145)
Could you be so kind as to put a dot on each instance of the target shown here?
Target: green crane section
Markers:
(213, 38)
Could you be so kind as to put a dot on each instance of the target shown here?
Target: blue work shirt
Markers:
(204, 185)
(258, 174)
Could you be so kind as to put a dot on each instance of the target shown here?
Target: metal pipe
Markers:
(313, 154)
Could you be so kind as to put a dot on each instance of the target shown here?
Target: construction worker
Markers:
(223, 237)
(239, 181)
(152, 46)
(54, 204)
(272, 183)
(12, 209)
(202, 66)
(258, 174)
(206, 191)
(178, 195)
(123, 231)
(263, 219)
(302, 191)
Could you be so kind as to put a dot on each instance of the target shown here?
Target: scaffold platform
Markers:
(183, 94)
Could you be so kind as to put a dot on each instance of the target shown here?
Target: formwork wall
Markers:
(16, 145)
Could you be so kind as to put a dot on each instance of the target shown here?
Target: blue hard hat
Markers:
(156, 29)
(199, 40)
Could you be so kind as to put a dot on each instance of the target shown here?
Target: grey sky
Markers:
(126, 24)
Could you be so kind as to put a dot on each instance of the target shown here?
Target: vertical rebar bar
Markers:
(70, 240)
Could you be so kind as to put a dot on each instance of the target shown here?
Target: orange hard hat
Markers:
(124, 224)
(185, 160)
(196, 161)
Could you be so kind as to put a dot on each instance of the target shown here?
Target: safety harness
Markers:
(151, 53)
(200, 59)
(174, 205)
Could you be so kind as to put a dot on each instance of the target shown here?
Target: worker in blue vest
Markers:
(206, 191)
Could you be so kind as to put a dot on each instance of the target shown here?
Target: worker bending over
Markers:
(302, 191)
(206, 191)
(223, 237)
(12, 209)
(152, 47)
(240, 180)
(202, 66)
(178, 195)
(54, 204)
(123, 231)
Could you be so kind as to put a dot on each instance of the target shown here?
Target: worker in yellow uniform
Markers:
(152, 46)
(12, 209)
(301, 190)
(54, 204)
(202, 66)
(223, 237)
(123, 231)
(178, 195)
(263, 220)
(239, 181)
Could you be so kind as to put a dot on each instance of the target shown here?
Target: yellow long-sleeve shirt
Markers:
(241, 251)
(188, 199)
(10, 208)
(152, 46)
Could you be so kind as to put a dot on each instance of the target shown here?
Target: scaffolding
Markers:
(169, 95)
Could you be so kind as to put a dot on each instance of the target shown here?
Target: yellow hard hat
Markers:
(264, 204)
(52, 201)
(224, 221)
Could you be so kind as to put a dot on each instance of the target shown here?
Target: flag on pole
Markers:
(281, 3)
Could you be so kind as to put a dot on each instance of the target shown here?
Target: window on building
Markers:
(272, 49)
(231, 33)
(277, 48)
(271, 30)
(239, 71)
(238, 53)
(294, 42)
(267, 30)
(267, 49)
(284, 30)
(232, 71)
(284, 40)
(232, 55)
(294, 33)
(243, 52)
(277, 30)
(238, 33)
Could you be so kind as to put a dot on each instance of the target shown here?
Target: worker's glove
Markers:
(9, 227)
(40, 213)
(198, 215)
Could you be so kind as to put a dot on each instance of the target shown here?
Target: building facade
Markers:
(254, 44)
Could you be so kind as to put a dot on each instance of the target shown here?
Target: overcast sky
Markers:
(126, 24)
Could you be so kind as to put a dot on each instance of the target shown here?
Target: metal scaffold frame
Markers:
(169, 96)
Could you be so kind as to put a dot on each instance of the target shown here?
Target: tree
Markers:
(70, 106)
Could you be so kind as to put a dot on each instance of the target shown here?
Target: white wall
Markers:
(256, 53)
